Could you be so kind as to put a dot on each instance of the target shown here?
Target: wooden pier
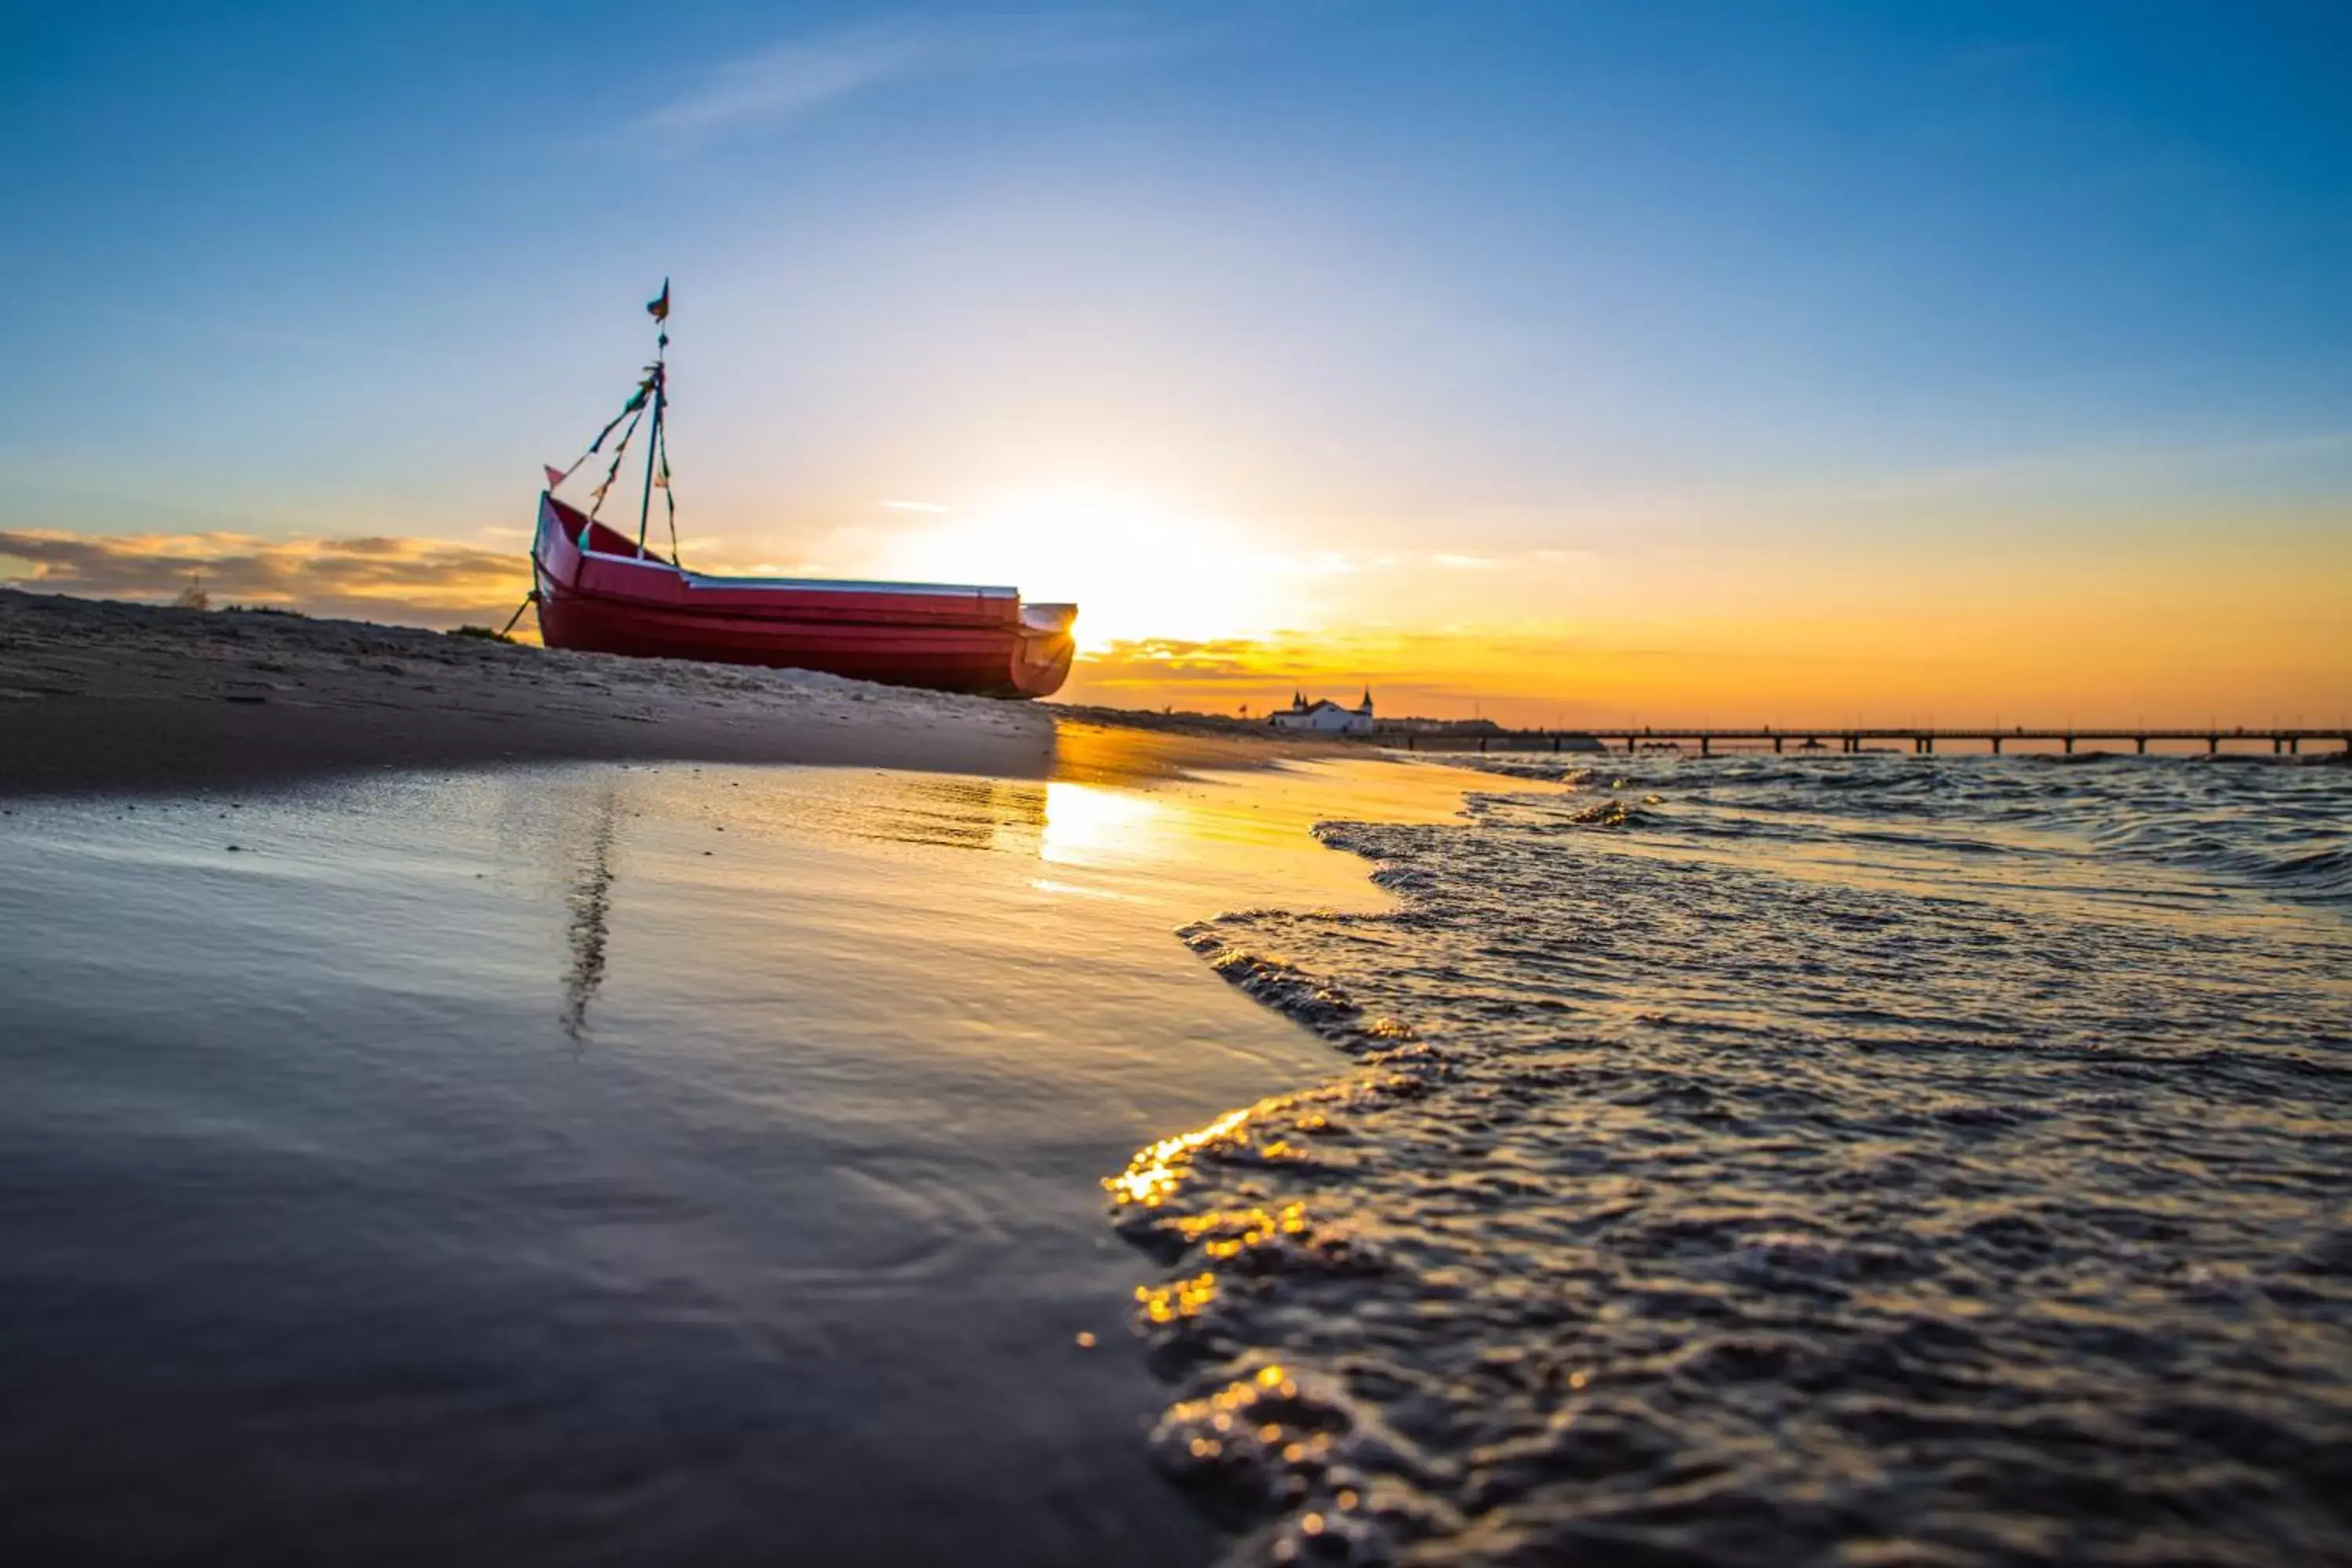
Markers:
(1848, 742)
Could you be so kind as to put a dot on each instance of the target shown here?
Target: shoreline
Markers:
(817, 1176)
(814, 1180)
(105, 696)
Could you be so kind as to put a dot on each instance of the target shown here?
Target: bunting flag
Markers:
(637, 401)
(632, 415)
(619, 452)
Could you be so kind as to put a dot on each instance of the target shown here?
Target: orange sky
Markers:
(2183, 629)
(2177, 639)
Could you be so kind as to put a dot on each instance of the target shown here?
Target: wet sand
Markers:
(615, 1164)
(599, 1160)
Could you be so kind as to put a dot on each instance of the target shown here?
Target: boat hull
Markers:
(606, 598)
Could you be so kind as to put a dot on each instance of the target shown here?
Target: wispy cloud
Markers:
(431, 580)
(802, 76)
(1155, 661)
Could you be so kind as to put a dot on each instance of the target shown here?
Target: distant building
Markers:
(1325, 717)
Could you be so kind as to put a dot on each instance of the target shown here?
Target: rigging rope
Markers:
(636, 405)
(654, 386)
(669, 496)
(618, 452)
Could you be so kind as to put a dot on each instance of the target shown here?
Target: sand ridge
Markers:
(98, 694)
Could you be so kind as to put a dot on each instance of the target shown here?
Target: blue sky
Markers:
(1911, 284)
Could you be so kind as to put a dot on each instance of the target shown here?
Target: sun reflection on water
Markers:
(1155, 1171)
(1087, 824)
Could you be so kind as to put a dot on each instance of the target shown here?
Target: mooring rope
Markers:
(528, 601)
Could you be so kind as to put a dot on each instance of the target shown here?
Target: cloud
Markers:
(1157, 661)
(1245, 665)
(428, 581)
(801, 77)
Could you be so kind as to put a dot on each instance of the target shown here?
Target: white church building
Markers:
(1325, 717)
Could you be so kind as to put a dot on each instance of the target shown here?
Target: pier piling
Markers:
(2285, 742)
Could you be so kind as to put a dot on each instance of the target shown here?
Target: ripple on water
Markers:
(1816, 1200)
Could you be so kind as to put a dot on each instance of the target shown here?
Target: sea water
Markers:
(1848, 1160)
(1756, 1160)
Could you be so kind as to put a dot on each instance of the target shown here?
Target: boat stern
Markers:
(1042, 653)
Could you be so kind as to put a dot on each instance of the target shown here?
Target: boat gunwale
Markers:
(692, 579)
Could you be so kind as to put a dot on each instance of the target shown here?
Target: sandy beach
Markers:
(100, 694)
(558, 1139)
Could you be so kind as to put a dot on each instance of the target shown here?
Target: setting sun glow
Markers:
(1133, 569)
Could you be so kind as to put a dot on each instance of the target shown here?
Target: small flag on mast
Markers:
(659, 309)
(555, 476)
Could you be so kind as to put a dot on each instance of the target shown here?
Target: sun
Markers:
(1135, 570)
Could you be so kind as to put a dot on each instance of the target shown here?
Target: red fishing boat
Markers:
(598, 590)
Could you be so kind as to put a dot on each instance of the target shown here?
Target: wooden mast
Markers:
(659, 310)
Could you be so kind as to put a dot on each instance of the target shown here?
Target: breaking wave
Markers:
(1767, 1163)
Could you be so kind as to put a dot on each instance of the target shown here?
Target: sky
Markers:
(1553, 361)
